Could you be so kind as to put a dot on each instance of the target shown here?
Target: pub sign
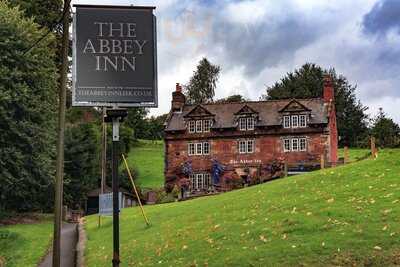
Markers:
(114, 56)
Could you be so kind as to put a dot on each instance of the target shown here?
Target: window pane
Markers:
(286, 122)
(250, 123)
(303, 144)
(192, 127)
(206, 125)
(191, 149)
(242, 146)
(199, 147)
(295, 144)
(242, 124)
(199, 126)
(303, 121)
(206, 148)
(286, 144)
(250, 146)
(295, 121)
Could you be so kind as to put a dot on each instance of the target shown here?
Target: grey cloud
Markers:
(263, 44)
(383, 17)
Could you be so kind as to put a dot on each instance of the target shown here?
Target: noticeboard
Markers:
(106, 203)
(114, 56)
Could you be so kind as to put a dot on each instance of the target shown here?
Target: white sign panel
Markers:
(106, 203)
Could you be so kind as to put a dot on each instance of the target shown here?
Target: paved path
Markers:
(69, 238)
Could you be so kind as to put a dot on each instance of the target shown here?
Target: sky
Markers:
(257, 42)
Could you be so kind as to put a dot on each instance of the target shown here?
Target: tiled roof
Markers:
(268, 113)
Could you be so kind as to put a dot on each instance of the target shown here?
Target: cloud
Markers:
(383, 17)
(256, 42)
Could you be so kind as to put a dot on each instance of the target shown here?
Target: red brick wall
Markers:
(267, 149)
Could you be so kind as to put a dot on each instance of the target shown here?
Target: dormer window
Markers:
(199, 126)
(246, 123)
(295, 121)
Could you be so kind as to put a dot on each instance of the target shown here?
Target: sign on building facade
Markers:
(114, 56)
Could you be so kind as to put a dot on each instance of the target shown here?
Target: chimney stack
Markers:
(329, 92)
(329, 99)
(178, 99)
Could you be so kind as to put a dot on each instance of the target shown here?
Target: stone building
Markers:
(220, 146)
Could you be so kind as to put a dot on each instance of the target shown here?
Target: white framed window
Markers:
(295, 121)
(246, 146)
(200, 181)
(242, 146)
(207, 180)
(199, 126)
(206, 148)
(191, 149)
(243, 124)
(286, 121)
(303, 121)
(199, 148)
(295, 144)
(250, 146)
(206, 125)
(192, 126)
(250, 123)
(302, 144)
(286, 145)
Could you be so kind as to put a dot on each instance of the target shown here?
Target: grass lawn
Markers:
(147, 157)
(348, 216)
(355, 153)
(25, 244)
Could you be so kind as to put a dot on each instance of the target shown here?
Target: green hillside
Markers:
(147, 158)
(25, 244)
(348, 216)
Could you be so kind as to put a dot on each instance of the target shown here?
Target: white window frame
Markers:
(242, 146)
(191, 149)
(200, 181)
(304, 142)
(192, 126)
(207, 180)
(287, 145)
(250, 146)
(206, 126)
(243, 124)
(199, 126)
(303, 121)
(250, 123)
(286, 122)
(199, 148)
(295, 147)
(206, 145)
(295, 121)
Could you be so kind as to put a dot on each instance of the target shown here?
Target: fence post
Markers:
(286, 169)
(346, 155)
(373, 147)
(322, 161)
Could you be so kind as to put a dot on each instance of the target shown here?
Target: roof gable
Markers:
(294, 106)
(198, 111)
(246, 110)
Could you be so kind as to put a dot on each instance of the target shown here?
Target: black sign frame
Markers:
(107, 102)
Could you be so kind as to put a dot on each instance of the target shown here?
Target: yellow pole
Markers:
(134, 187)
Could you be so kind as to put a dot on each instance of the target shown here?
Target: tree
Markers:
(201, 87)
(307, 82)
(28, 83)
(385, 130)
(136, 121)
(82, 162)
(232, 99)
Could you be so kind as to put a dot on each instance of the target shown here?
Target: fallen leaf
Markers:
(377, 248)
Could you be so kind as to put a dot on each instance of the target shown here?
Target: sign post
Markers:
(115, 66)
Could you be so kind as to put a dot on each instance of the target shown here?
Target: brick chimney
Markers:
(178, 99)
(329, 99)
